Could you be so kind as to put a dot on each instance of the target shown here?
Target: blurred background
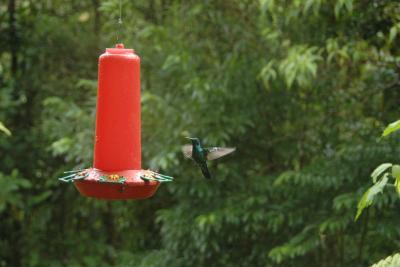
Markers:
(303, 89)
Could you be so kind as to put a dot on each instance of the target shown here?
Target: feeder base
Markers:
(115, 185)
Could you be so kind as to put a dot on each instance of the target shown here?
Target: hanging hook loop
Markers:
(119, 22)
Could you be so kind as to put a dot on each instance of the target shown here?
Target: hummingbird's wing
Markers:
(187, 151)
(217, 152)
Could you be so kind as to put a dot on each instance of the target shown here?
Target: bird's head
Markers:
(194, 140)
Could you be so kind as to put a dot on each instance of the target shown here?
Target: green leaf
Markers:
(391, 261)
(266, 5)
(343, 4)
(397, 185)
(396, 171)
(4, 129)
(394, 126)
(300, 66)
(369, 196)
(394, 31)
(362, 204)
(392, 34)
(62, 146)
(379, 170)
(396, 175)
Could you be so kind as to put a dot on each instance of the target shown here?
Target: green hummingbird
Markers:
(201, 154)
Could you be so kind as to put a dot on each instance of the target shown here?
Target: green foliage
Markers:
(299, 245)
(386, 170)
(368, 197)
(4, 129)
(391, 261)
(300, 65)
(394, 126)
(299, 87)
(9, 186)
(380, 170)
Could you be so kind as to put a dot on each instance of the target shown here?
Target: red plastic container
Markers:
(117, 147)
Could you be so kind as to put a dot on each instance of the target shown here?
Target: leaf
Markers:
(268, 74)
(397, 186)
(300, 66)
(307, 5)
(394, 126)
(379, 170)
(171, 61)
(62, 146)
(394, 31)
(396, 171)
(369, 196)
(298, 245)
(4, 129)
(396, 175)
(392, 34)
(266, 5)
(343, 4)
(391, 261)
(37, 199)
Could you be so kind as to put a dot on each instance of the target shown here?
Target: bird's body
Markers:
(200, 154)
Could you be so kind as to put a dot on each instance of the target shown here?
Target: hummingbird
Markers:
(201, 154)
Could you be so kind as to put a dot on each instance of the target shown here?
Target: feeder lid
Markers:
(119, 49)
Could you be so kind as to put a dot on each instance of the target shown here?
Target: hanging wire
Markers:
(119, 26)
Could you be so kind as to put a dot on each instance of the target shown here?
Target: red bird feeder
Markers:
(117, 172)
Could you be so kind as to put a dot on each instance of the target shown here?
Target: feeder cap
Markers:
(119, 49)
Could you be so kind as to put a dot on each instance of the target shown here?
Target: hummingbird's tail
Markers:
(205, 171)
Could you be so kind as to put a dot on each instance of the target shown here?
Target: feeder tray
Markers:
(130, 184)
